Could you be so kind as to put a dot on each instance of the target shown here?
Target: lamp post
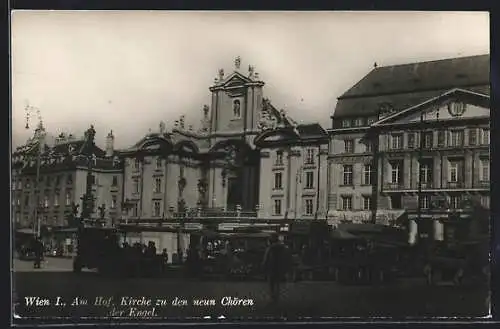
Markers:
(40, 138)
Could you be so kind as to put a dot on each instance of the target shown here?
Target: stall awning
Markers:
(25, 231)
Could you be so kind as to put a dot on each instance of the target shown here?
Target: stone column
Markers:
(436, 171)
(468, 175)
(407, 171)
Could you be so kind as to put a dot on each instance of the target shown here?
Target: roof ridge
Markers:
(429, 61)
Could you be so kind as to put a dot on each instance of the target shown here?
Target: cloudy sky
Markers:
(126, 71)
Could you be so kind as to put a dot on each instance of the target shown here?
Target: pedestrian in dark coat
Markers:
(38, 250)
(277, 262)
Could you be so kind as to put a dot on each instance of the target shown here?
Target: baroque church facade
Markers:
(216, 167)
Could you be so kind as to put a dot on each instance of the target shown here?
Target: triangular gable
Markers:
(454, 104)
(235, 80)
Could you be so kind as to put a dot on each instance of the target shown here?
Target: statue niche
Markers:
(237, 108)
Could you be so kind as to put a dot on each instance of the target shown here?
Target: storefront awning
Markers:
(383, 217)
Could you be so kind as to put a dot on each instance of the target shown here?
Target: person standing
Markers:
(276, 263)
(38, 250)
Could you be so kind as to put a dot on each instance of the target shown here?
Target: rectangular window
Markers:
(396, 172)
(309, 206)
(135, 185)
(428, 139)
(115, 181)
(396, 202)
(348, 175)
(426, 172)
(58, 180)
(396, 142)
(309, 179)
(28, 183)
(48, 181)
(454, 202)
(456, 138)
(346, 202)
(309, 156)
(346, 123)
(424, 202)
(56, 199)
(485, 136)
(69, 179)
(279, 158)
(411, 140)
(156, 209)
(26, 200)
(46, 201)
(367, 174)
(157, 185)
(473, 136)
(455, 171)
(349, 146)
(277, 207)
(135, 210)
(367, 202)
(113, 201)
(369, 147)
(485, 170)
(278, 184)
(158, 163)
(441, 138)
(137, 164)
(68, 198)
(20, 185)
(370, 121)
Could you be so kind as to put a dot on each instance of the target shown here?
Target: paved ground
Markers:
(303, 299)
(50, 264)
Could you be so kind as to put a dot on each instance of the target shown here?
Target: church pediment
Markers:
(454, 105)
(277, 136)
(236, 80)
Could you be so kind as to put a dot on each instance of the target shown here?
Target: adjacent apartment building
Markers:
(412, 137)
(48, 180)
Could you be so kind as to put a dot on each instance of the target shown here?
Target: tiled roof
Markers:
(409, 84)
(312, 130)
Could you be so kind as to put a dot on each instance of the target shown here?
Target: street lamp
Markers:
(40, 138)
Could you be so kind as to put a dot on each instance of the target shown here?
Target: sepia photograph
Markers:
(249, 166)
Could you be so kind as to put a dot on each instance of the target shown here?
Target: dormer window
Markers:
(346, 123)
(237, 108)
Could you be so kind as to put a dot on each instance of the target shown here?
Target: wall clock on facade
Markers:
(456, 109)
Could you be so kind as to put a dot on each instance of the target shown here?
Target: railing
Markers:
(456, 184)
(393, 186)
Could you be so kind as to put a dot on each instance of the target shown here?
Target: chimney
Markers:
(110, 143)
